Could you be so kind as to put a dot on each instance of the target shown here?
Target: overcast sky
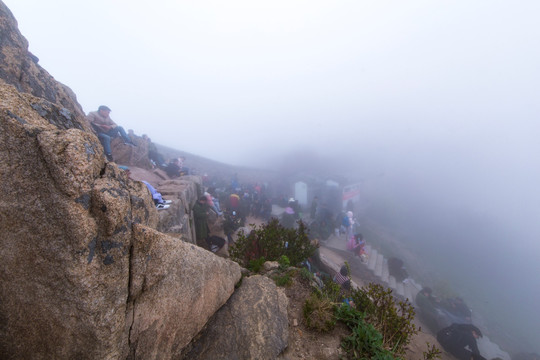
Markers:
(331, 75)
(440, 95)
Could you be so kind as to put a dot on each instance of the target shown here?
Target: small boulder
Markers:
(252, 325)
(270, 265)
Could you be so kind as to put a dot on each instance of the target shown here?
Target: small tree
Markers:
(271, 241)
(393, 321)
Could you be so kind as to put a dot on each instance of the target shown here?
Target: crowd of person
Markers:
(232, 204)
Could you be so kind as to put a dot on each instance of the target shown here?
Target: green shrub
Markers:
(271, 241)
(306, 274)
(319, 313)
(332, 291)
(255, 265)
(284, 263)
(381, 328)
(393, 321)
(365, 342)
(284, 279)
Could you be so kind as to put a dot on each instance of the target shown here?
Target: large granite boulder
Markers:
(83, 273)
(66, 235)
(20, 68)
(252, 325)
(175, 288)
(131, 155)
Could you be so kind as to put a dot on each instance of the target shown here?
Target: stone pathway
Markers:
(378, 265)
(334, 253)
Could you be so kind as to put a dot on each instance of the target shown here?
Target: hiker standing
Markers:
(200, 216)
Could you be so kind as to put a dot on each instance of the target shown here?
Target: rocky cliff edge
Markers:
(85, 275)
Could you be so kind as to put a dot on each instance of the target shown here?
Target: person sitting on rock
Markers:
(183, 170)
(396, 268)
(231, 223)
(173, 168)
(215, 243)
(153, 153)
(315, 265)
(429, 310)
(343, 278)
(106, 129)
(460, 341)
(211, 203)
(160, 203)
(458, 308)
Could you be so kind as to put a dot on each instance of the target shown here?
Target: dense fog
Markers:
(476, 226)
(470, 217)
(433, 106)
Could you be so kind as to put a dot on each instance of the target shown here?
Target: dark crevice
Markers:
(131, 344)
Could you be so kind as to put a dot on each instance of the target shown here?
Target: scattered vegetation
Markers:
(365, 342)
(284, 279)
(271, 241)
(284, 263)
(380, 327)
(393, 321)
(433, 352)
(284, 276)
(256, 265)
(306, 274)
(319, 312)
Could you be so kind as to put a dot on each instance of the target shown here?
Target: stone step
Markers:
(372, 259)
(400, 289)
(365, 258)
(379, 265)
(385, 272)
(407, 291)
(392, 282)
(367, 249)
(413, 290)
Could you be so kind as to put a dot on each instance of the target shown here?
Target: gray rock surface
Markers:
(18, 67)
(252, 325)
(175, 288)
